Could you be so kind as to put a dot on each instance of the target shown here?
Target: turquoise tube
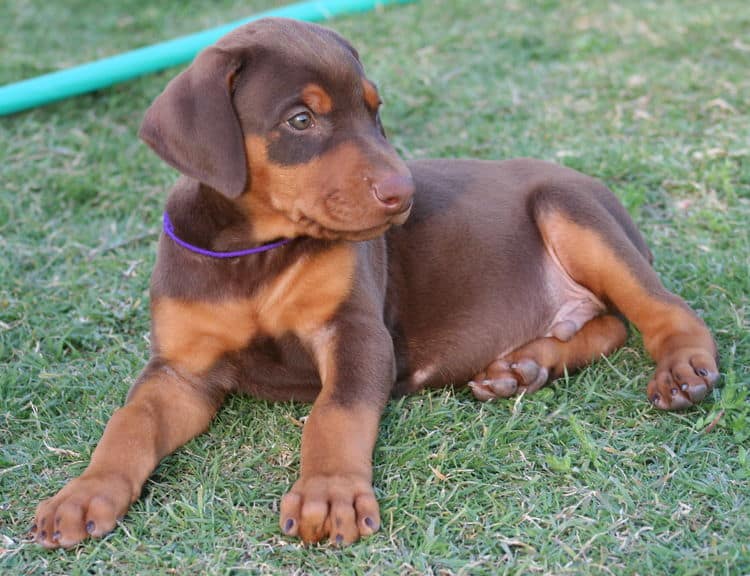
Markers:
(107, 71)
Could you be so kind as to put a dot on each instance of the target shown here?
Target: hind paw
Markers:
(683, 379)
(503, 379)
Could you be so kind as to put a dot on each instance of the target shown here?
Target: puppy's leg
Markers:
(595, 242)
(163, 411)
(334, 496)
(531, 366)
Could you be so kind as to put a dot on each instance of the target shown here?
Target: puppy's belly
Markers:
(472, 339)
(460, 340)
(464, 340)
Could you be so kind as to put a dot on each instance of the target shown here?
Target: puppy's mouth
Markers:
(374, 232)
(318, 230)
(401, 217)
(395, 219)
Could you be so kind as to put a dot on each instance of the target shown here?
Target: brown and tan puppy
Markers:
(504, 275)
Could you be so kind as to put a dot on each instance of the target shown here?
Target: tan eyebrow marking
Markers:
(370, 92)
(317, 99)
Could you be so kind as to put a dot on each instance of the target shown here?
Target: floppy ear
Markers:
(193, 126)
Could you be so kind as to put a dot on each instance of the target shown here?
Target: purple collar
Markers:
(169, 231)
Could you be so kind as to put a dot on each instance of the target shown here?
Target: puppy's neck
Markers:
(209, 220)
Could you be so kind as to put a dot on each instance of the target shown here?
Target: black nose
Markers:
(394, 193)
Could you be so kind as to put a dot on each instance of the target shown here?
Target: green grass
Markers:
(583, 477)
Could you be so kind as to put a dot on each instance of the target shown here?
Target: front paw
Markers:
(342, 507)
(87, 506)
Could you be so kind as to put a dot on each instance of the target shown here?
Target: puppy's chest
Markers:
(195, 334)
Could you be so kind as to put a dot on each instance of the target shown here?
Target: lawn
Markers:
(585, 477)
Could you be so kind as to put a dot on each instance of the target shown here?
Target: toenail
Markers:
(289, 525)
(655, 398)
(702, 372)
(370, 523)
(684, 387)
(90, 526)
(43, 534)
(56, 535)
(339, 539)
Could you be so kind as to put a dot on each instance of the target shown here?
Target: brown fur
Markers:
(505, 274)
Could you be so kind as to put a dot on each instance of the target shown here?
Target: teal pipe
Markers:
(107, 71)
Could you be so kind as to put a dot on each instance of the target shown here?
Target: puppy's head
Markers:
(279, 116)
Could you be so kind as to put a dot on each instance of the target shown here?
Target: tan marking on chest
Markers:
(193, 335)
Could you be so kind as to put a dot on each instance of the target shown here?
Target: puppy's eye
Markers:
(301, 121)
